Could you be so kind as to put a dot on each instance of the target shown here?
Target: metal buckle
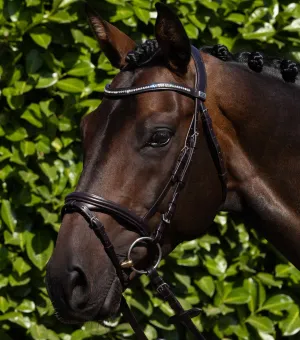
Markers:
(129, 260)
(166, 219)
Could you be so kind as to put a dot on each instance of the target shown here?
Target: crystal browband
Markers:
(154, 87)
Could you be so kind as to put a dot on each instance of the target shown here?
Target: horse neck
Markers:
(257, 122)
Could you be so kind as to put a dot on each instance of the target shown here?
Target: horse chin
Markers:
(111, 304)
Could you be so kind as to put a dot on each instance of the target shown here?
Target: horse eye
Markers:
(160, 138)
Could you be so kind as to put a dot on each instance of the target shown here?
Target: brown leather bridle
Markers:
(84, 203)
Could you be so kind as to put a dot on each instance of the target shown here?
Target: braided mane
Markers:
(258, 62)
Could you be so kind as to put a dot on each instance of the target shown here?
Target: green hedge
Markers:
(52, 73)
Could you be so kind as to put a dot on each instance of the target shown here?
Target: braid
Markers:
(221, 52)
(289, 70)
(256, 61)
(142, 53)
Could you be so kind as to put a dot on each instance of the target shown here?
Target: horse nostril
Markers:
(79, 288)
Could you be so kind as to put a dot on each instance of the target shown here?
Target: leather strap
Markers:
(181, 316)
(132, 320)
(97, 203)
(98, 228)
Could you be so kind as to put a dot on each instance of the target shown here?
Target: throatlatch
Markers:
(85, 204)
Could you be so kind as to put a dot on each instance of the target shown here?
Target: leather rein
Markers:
(85, 204)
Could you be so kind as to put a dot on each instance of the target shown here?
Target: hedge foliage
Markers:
(52, 73)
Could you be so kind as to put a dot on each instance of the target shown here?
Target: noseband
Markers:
(85, 204)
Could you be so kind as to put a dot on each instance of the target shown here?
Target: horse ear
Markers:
(172, 39)
(114, 43)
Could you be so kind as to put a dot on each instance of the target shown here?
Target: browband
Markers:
(125, 91)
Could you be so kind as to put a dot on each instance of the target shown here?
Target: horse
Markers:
(151, 147)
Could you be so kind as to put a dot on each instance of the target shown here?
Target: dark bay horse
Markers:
(131, 146)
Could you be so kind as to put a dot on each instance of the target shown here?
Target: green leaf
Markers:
(183, 278)
(30, 3)
(5, 172)
(238, 18)
(2, 132)
(262, 33)
(207, 241)
(194, 20)
(17, 156)
(62, 3)
(65, 124)
(4, 153)
(49, 171)
(71, 85)
(48, 107)
(33, 61)
(17, 135)
(150, 332)
(8, 216)
(261, 294)
(92, 104)
(78, 36)
(3, 279)
(291, 325)
(268, 280)
(15, 102)
(142, 14)
(26, 306)
(22, 87)
(49, 218)
(15, 280)
(46, 79)
(189, 245)
(190, 261)
(43, 144)
(238, 296)
(17, 318)
(216, 266)
(28, 176)
(142, 4)
(4, 305)
(277, 303)
(15, 238)
(216, 31)
(294, 26)
(27, 147)
(192, 31)
(265, 336)
(41, 36)
(206, 283)
(142, 304)
(63, 17)
(39, 247)
(261, 323)
(13, 9)
(121, 14)
(21, 266)
(251, 287)
(33, 117)
(257, 14)
(283, 270)
(82, 69)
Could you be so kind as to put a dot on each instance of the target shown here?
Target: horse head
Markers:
(132, 143)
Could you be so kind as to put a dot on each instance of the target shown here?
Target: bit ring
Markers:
(147, 239)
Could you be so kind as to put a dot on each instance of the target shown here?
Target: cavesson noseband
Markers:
(85, 204)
